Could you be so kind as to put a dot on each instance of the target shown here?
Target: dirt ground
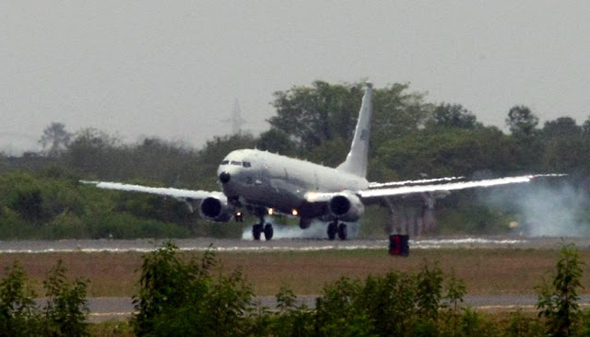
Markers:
(484, 270)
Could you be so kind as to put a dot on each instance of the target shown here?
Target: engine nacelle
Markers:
(346, 207)
(216, 208)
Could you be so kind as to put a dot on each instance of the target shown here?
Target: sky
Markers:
(174, 69)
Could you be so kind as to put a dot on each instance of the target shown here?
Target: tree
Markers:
(565, 154)
(397, 113)
(528, 144)
(95, 152)
(561, 127)
(312, 116)
(448, 152)
(277, 141)
(55, 139)
(586, 127)
(324, 113)
(156, 159)
(453, 116)
(521, 121)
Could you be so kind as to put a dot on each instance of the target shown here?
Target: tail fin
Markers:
(356, 161)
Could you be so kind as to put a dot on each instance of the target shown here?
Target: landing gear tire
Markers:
(332, 229)
(268, 232)
(256, 231)
(342, 231)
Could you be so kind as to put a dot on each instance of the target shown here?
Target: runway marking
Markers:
(247, 246)
(103, 314)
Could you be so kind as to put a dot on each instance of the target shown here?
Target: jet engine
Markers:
(346, 206)
(216, 208)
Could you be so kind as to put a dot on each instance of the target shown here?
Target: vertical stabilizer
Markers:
(356, 161)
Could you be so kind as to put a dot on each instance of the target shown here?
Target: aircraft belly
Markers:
(278, 195)
(285, 196)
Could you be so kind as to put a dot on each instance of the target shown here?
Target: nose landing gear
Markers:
(261, 227)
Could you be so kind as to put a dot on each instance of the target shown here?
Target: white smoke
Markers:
(543, 208)
(317, 230)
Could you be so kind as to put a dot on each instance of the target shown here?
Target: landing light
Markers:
(294, 212)
(271, 211)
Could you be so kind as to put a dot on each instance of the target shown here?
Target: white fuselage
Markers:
(273, 181)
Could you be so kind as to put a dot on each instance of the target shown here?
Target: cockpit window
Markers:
(235, 162)
(225, 162)
(247, 164)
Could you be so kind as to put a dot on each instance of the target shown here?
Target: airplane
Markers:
(264, 183)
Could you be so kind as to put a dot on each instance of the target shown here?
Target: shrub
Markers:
(64, 313)
(66, 309)
(18, 313)
(178, 298)
(558, 301)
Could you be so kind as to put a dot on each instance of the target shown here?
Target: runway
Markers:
(231, 245)
(116, 308)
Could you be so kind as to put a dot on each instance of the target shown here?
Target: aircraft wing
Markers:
(163, 191)
(407, 190)
(395, 189)
(445, 180)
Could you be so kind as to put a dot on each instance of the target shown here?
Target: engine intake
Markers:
(216, 208)
(346, 207)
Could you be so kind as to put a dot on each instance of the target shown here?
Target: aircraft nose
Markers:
(224, 177)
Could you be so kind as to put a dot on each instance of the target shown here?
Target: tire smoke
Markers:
(543, 208)
(317, 231)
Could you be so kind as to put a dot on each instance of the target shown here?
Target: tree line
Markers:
(411, 138)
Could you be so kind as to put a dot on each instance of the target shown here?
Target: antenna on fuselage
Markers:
(356, 161)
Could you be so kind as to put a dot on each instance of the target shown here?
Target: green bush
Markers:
(66, 309)
(63, 314)
(18, 313)
(179, 298)
(558, 300)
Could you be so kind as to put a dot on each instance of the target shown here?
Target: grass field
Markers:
(485, 271)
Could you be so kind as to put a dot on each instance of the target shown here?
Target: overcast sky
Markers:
(173, 69)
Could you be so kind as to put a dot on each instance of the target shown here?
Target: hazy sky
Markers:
(174, 69)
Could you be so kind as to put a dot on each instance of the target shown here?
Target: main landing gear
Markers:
(261, 227)
(337, 229)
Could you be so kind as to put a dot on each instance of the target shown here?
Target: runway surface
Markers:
(116, 308)
(228, 245)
